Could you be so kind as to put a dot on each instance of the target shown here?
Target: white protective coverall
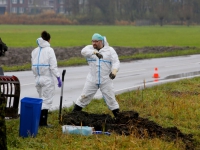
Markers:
(98, 76)
(44, 66)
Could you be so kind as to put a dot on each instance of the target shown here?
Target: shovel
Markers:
(61, 97)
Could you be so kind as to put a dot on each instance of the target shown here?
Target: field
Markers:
(126, 36)
(168, 115)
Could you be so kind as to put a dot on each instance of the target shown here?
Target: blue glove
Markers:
(59, 82)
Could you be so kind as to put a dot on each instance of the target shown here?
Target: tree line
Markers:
(140, 11)
(110, 12)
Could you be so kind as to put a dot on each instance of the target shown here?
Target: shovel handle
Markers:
(61, 97)
(63, 74)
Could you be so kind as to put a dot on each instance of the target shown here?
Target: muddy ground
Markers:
(19, 56)
(128, 123)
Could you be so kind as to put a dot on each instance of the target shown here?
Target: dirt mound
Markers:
(127, 123)
(19, 56)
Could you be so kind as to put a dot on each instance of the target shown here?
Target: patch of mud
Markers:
(128, 123)
(19, 56)
(184, 93)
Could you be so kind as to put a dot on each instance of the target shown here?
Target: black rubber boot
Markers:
(115, 112)
(43, 118)
(77, 108)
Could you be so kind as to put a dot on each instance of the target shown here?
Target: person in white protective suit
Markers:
(104, 65)
(44, 67)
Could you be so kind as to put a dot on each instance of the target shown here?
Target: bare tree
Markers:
(108, 11)
(162, 9)
(75, 7)
(188, 10)
(179, 12)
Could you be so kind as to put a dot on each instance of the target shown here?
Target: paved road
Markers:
(131, 76)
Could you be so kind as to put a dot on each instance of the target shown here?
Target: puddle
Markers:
(175, 76)
(183, 75)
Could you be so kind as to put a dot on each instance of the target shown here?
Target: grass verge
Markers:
(171, 104)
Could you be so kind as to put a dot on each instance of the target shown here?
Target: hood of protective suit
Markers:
(42, 43)
(105, 42)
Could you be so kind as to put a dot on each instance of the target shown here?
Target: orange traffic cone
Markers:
(156, 75)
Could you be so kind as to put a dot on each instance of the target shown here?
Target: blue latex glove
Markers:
(59, 82)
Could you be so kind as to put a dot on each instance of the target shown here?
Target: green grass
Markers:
(171, 104)
(130, 36)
